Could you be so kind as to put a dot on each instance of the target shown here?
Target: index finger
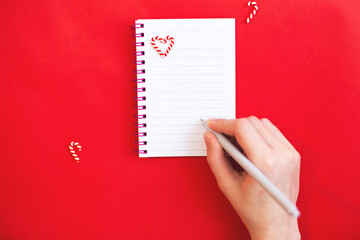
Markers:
(226, 126)
(246, 135)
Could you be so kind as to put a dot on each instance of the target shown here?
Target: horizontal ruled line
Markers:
(179, 65)
(177, 150)
(193, 57)
(188, 100)
(182, 83)
(187, 133)
(167, 91)
(201, 39)
(190, 117)
(174, 141)
(172, 31)
(187, 108)
(200, 48)
(187, 74)
(168, 125)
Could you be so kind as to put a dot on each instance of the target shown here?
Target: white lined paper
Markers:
(196, 80)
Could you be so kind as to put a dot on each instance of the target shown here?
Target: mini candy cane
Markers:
(256, 8)
(72, 151)
(164, 41)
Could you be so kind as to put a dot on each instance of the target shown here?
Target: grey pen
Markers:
(253, 171)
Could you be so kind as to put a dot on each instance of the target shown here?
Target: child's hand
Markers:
(270, 151)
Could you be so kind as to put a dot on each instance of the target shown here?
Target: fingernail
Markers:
(211, 120)
(207, 140)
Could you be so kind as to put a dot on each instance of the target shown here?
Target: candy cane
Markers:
(72, 151)
(155, 46)
(256, 8)
(170, 45)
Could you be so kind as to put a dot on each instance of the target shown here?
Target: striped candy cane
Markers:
(256, 8)
(171, 39)
(157, 38)
(72, 151)
(164, 41)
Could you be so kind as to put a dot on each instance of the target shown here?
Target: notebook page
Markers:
(196, 80)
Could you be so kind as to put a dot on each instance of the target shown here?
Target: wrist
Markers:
(287, 232)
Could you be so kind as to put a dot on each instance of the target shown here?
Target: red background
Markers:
(66, 74)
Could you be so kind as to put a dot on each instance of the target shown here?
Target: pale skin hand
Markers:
(272, 153)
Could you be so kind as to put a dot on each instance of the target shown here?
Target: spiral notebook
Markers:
(185, 71)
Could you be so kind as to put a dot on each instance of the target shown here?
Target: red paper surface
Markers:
(66, 74)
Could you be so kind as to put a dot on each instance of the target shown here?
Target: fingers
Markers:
(227, 126)
(245, 133)
(269, 137)
(276, 132)
(224, 173)
(294, 153)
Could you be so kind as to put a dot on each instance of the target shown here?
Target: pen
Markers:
(259, 177)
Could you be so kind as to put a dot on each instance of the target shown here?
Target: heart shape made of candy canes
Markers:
(163, 41)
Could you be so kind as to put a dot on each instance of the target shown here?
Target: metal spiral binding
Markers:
(141, 143)
(140, 107)
(140, 89)
(140, 116)
(141, 151)
(143, 98)
(141, 134)
(141, 71)
(139, 80)
(139, 44)
(140, 62)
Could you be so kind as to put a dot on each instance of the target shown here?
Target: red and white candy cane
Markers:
(72, 151)
(256, 8)
(164, 41)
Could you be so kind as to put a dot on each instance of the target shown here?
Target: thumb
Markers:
(224, 173)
